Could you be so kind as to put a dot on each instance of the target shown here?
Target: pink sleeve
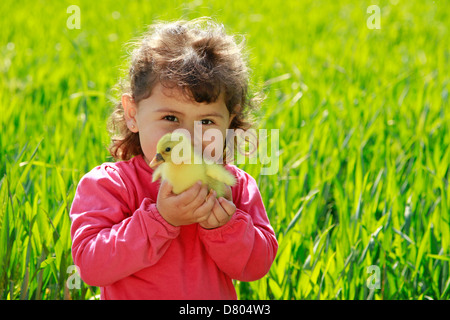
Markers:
(109, 241)
(246, 246)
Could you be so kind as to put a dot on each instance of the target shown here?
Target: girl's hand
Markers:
(187, 207)
(222, 211)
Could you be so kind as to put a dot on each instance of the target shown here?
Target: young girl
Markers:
(138, 240)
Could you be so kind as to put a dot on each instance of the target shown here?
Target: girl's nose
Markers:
(196, 131)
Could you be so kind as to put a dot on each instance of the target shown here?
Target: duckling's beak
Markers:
(156, 161)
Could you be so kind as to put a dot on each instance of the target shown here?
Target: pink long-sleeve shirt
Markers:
(122, 244)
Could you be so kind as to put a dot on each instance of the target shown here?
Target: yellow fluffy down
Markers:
(183, 172)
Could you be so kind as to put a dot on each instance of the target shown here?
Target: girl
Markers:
(138, 240)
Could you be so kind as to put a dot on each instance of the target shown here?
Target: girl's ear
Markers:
(130, 111)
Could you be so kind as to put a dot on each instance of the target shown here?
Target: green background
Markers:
(363, 119)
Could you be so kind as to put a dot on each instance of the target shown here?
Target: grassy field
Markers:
(364, 123)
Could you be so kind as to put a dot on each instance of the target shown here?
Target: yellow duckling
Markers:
(177, 163)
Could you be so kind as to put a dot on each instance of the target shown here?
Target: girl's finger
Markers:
(210, 222)
(191, 193)
(213, 221)
(199, 199)
(220, 214)
(228, 206)
(206, 207)
(165, 189)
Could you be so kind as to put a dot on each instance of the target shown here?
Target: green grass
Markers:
(364, 138)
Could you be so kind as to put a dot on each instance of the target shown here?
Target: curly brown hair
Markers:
(198, 58)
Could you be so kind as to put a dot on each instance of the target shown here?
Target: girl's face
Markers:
(166, 110)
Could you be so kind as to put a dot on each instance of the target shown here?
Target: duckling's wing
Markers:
(219, 173)
(156, 174)
(216, 185)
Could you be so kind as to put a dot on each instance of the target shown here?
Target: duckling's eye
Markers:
(168, 149)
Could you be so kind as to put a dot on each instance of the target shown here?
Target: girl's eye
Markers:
(206, 122)
(170, 118)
